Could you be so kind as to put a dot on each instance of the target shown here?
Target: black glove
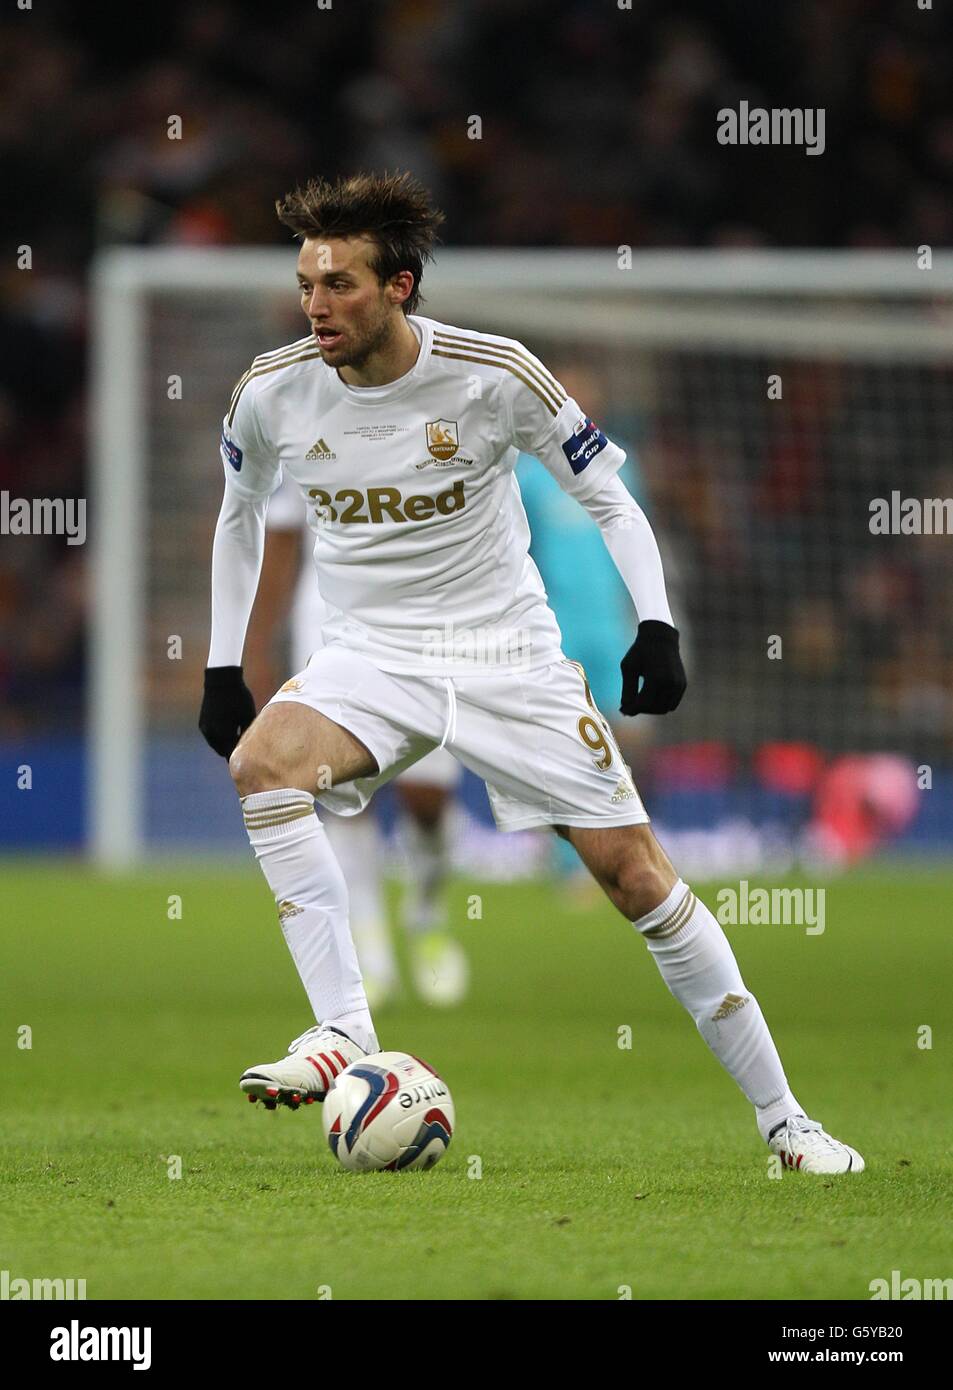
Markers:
(228, 707)
(654, 655)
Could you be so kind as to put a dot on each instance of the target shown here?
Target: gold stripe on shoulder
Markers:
(507, 366)
(521, 353)
(264, 371)
(238, 387)
(493, 350)
(265, 357)
(549, 389)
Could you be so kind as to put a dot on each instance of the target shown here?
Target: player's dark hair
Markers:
(394, 210)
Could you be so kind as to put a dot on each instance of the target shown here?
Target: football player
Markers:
(439, 634)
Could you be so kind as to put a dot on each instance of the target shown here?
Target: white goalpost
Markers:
(681, 345)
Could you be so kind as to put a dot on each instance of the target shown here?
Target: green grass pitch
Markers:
(601, 1168)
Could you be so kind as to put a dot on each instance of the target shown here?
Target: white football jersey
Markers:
(421, 540)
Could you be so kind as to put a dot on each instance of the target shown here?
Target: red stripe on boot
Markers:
(317, 1065)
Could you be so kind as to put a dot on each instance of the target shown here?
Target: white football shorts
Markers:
(308, 612)
(535, 737)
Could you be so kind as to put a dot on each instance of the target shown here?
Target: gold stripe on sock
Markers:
(256, 812)
(280, 816)
(287, 805)
(675, 920)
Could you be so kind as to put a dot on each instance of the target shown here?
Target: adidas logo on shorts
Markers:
(622, 792)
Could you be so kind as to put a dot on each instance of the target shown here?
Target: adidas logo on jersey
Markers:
(729, 1005)
(320, 452)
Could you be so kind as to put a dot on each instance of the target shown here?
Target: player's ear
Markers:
(401, 286)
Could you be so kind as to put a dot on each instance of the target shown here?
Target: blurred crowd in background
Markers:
(598, 128)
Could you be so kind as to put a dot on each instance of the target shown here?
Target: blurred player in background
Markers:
(861, 802)
(424, 792)
(586, 592)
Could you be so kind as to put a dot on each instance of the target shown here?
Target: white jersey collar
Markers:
(372, 395)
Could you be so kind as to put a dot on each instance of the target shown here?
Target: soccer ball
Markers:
(388, 1110)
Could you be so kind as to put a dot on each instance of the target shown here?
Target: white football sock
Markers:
(296, 857)
(697, 964)
(356, 843)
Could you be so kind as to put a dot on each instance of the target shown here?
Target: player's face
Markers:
(352, 315)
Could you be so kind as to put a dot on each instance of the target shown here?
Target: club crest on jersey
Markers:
(443, 441)
(583, 444)
(231, 453)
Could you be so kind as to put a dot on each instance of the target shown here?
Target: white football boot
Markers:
(305, 1075)
(804, 1146)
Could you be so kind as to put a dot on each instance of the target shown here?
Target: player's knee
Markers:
(253, 768)
(641, 885)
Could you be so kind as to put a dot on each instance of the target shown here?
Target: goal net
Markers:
(766, 401)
